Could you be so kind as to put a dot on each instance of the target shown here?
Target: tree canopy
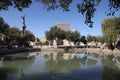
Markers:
(74, 36)
(83, 39)
(29, 35)
(111, 29)
(85, 7)
(3, 26)
(56, 33)
(91, 38)
(52, 34)
(12, 35)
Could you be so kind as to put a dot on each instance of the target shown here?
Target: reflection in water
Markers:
(111, 69)
(14, 65)
(63, 64)
(59, 66)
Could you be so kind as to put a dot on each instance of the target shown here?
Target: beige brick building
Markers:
(63, 26)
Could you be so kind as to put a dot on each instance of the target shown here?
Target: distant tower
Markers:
(24, 25)
(63, 26)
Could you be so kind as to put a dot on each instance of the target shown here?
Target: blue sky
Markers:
(38, 20)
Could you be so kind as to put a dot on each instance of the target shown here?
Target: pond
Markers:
(59, 66)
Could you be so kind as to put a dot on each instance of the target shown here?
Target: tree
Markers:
(55, 31)
(19, 4)
(100, 39)
(85, 7)
(55, 34)
(60, 37)
(48, 35)
(15, 37)
(14, 34)
(111, 29)
(61, 34)
(91, 38)
(4, 28)
(24, 40)
(69, 37)
(45, 43)
(83, 39)
(73, 36)
(29, 35)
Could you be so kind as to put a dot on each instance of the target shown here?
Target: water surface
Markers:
(59, 66)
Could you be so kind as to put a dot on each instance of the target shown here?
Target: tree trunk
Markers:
(69, 43)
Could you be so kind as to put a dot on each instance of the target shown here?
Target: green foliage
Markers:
(49, 35)
(12, 35)
(15, 37)
(100, 39)
(91, 38)
(42, 43)
(52, 34)
(29, 35)
(94, 38)
(3, 26)
(69, 35)
(55, 4)
(55, 33)
(24, 40)
(73, 36)
(114, 5)
(86, 7)
(83, 39)
(19, 4)
(38, 43)
(45, 43)
(61, 35)
(111, 28)
(118, 45)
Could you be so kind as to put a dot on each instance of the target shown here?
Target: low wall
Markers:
(17, 50)
(100, 51)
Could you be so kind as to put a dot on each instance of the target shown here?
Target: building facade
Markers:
(63, 26)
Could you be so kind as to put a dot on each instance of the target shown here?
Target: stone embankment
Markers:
(100, 51)
(17, 50)
(115, 52)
